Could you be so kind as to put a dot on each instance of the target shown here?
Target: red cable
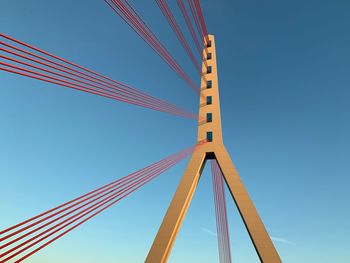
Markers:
(64, 83)
(95, 192)
(127, 90)
(148, 178)
(221, 214)
(135, 176)
(73, 227)
(227, 239)
(93, 207)
(87, 194)
(108, 94)
(201, 19)
(217, 213)
(157, 43)
(99, 77)
(191, 29)
(202, 74)
(56, 57)
(61, 82)
(148, 36)
(189, 25)
(197, 23)
(174, 25)
(112, 92)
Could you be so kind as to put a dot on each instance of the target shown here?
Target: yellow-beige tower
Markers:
(209, 129)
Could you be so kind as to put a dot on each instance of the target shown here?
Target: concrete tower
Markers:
(210, 129)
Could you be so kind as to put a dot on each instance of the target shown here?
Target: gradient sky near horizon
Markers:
(284, 85)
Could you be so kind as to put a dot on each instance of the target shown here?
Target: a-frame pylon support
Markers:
(210, 129)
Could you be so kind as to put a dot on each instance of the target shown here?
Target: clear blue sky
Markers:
(284, 83)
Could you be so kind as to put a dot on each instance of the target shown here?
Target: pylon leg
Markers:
(255, 227)
(172, 221)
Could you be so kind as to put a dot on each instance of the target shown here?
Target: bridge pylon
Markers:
(209, 128)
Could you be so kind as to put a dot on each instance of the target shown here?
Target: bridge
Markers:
(22, 240)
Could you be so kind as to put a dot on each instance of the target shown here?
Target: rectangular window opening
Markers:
(208, 69)
(208, 56)
(209, 84)
(209, 117)
(209, 100)
(209, 136)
